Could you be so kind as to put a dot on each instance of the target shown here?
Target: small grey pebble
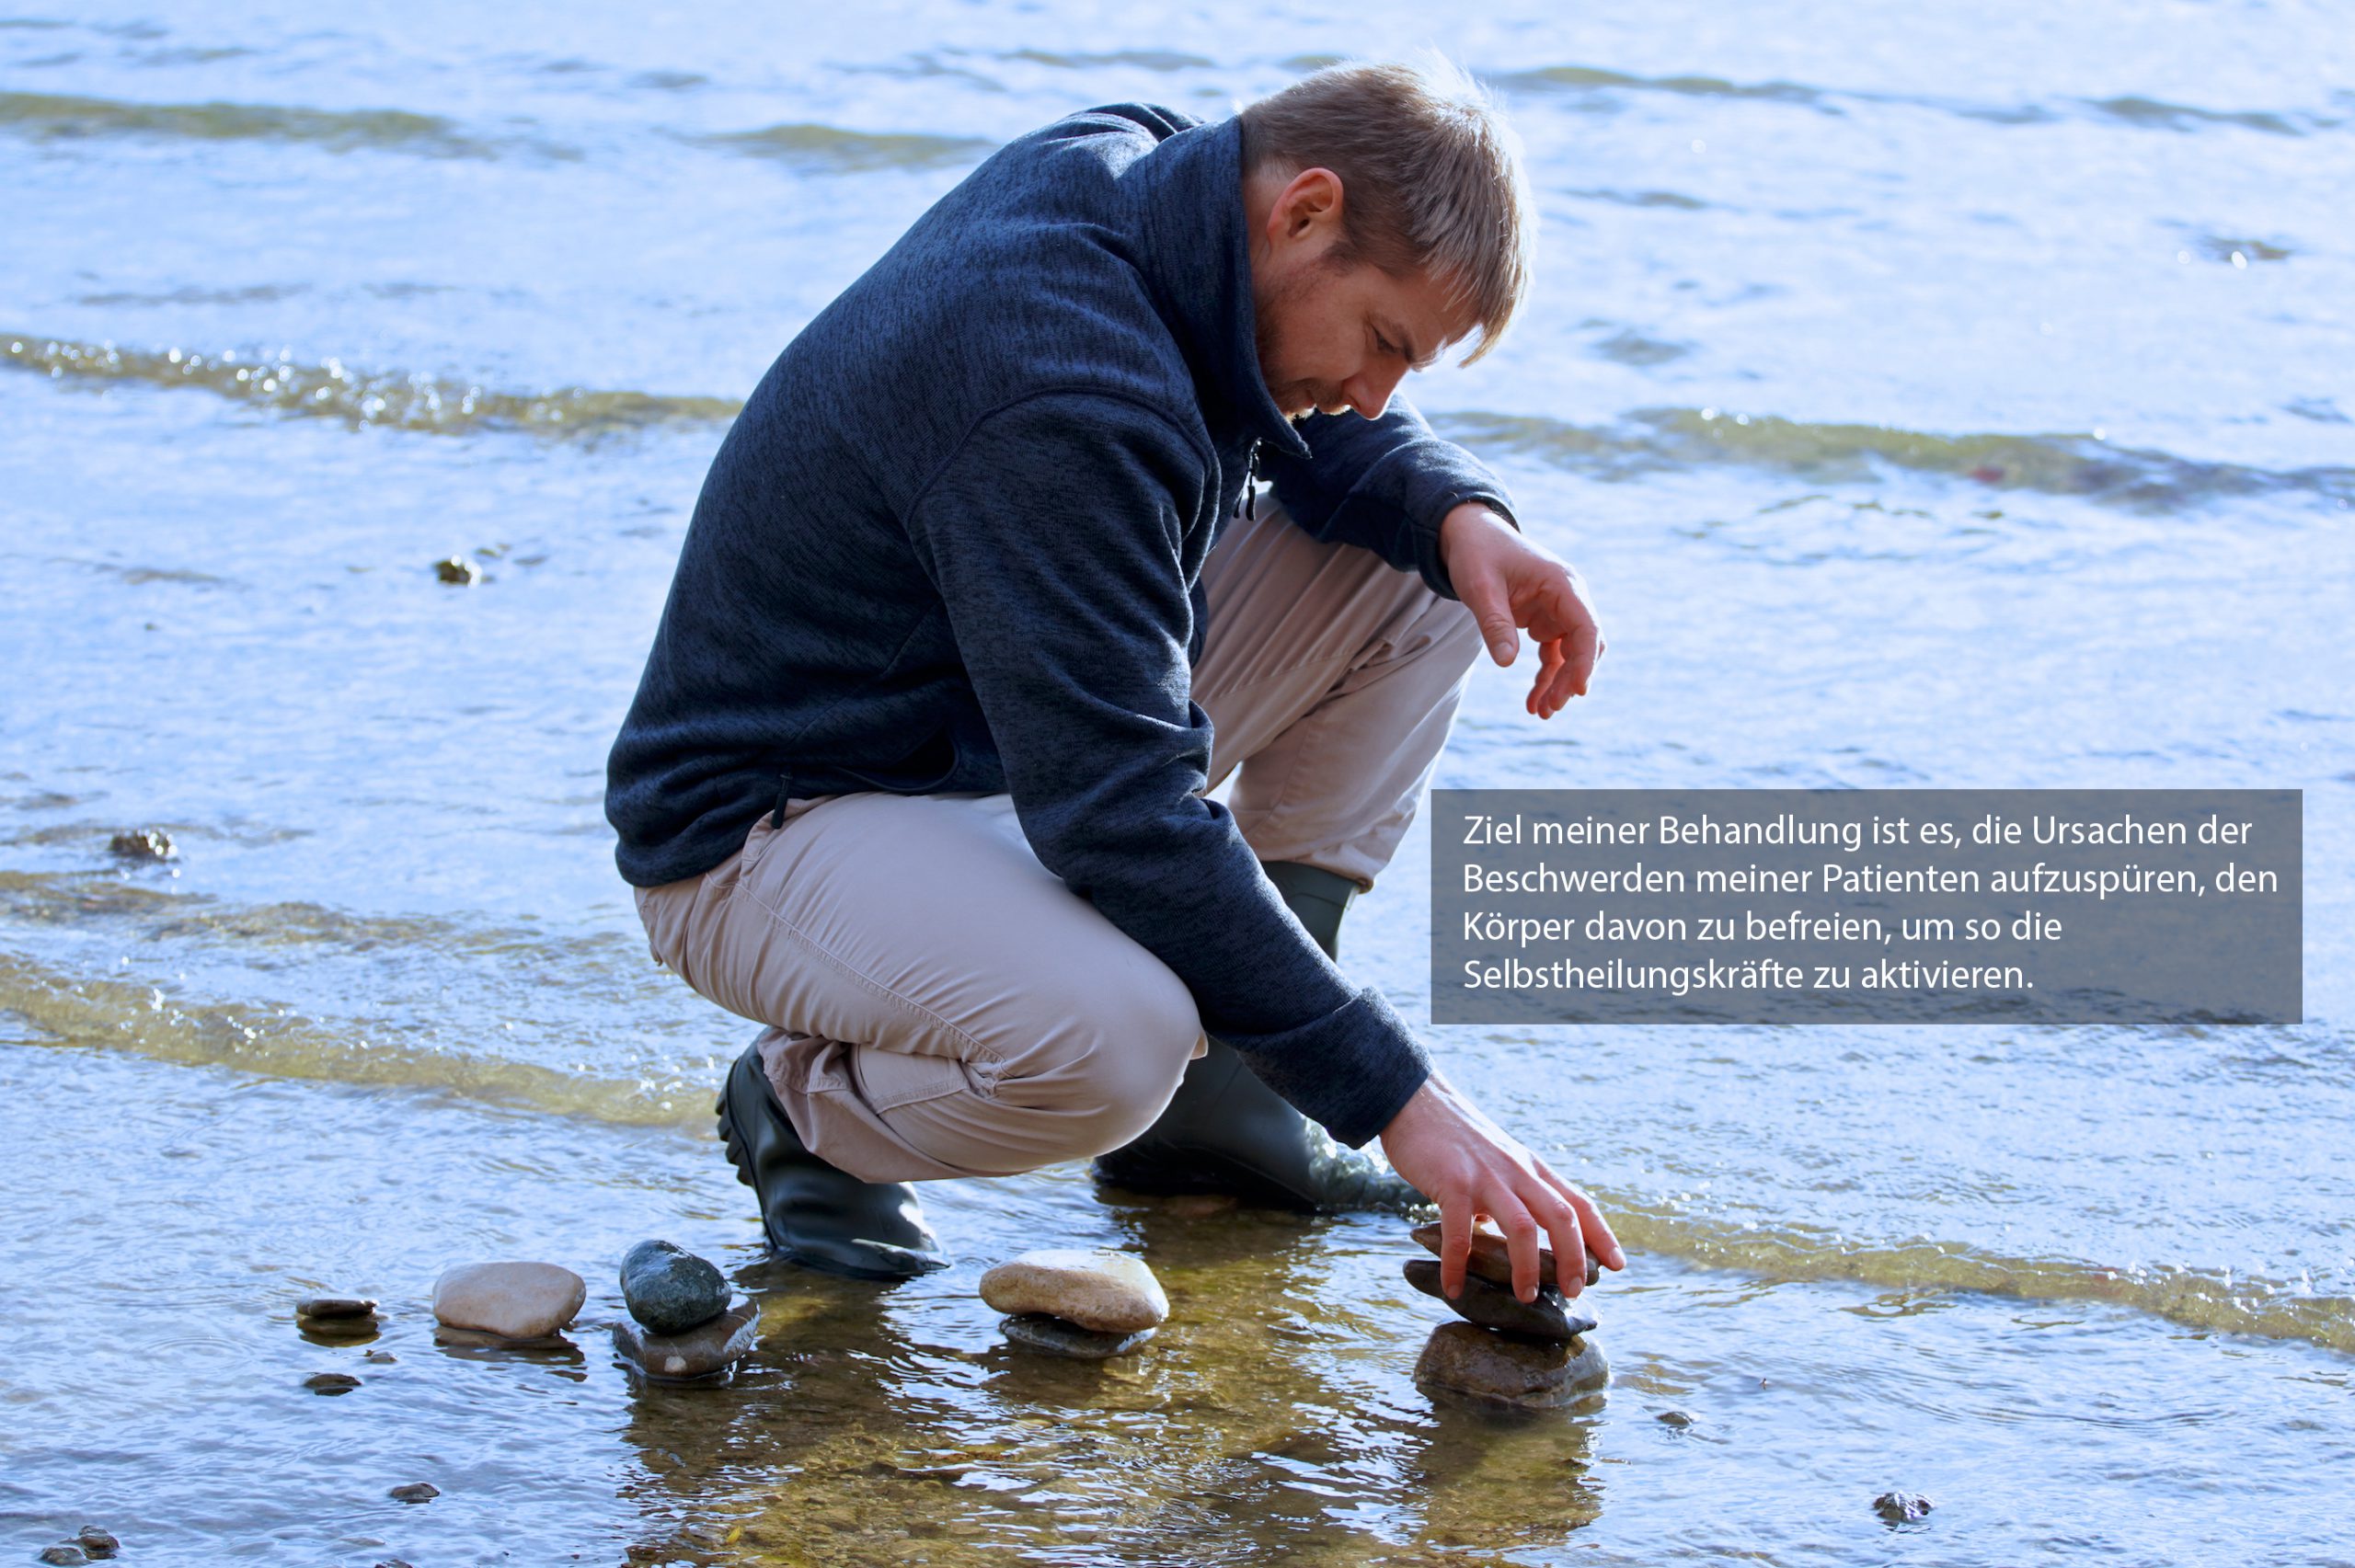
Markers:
(458, 571)
(64, 1553)
(1901, 1507)
(381, 1357)
(330, 1383)
(335, 1307)
(98, 1544)
(415, 1491)
(1675, 1418)
(144, 843)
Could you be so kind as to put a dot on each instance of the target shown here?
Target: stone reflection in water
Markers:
(472, 1344)
(1503, 1482)
(1272, 1417)
(338, 1332)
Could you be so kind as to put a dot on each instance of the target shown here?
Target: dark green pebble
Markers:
(670, 1289)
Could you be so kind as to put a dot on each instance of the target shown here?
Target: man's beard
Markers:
(1299, 399)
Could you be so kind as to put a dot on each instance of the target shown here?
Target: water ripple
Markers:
(409, 401)
(1597, 84)
(2219, 1301)
(116, 1015)
(2056, 463)
(830, 149)
(55, 117)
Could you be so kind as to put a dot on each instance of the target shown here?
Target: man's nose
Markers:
(1369, 391)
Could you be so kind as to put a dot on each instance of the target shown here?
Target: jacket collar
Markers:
(1197, 257)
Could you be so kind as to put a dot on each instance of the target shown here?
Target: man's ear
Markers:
(1311, 200)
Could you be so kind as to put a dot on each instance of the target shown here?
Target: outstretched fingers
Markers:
(1591, 1226)
(1563, 1232)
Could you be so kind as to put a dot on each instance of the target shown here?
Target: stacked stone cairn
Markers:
(689, 1325)
(1508, 1354)
(336, 1318)
(1086, 1304)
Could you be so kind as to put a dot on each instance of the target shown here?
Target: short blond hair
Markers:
(1430, 176)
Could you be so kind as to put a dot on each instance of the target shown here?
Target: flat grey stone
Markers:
(330, 1307)
(98, 1544)
(1494, 1371)
(415, 1491)
(708, 1348)
(1494, 1306)
(64, 1553)
(670, 1289)
(1054, 1336)
(330, 1383)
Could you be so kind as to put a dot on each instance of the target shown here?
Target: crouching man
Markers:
(1092, 491)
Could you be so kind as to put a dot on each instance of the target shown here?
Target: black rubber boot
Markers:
(815, 1215)
(1225, 1131)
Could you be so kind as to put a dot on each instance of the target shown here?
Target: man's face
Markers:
(1333, 338)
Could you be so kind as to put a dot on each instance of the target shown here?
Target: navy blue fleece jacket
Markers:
(954, 542)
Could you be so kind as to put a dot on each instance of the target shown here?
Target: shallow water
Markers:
(1959, 402)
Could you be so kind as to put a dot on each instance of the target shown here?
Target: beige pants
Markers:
(940, 1004)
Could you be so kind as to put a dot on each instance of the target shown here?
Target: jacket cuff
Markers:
(1350, 1070)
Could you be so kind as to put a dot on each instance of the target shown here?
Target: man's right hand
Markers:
(1462, 1161)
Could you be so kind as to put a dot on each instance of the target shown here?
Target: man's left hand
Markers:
(1509, 581)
